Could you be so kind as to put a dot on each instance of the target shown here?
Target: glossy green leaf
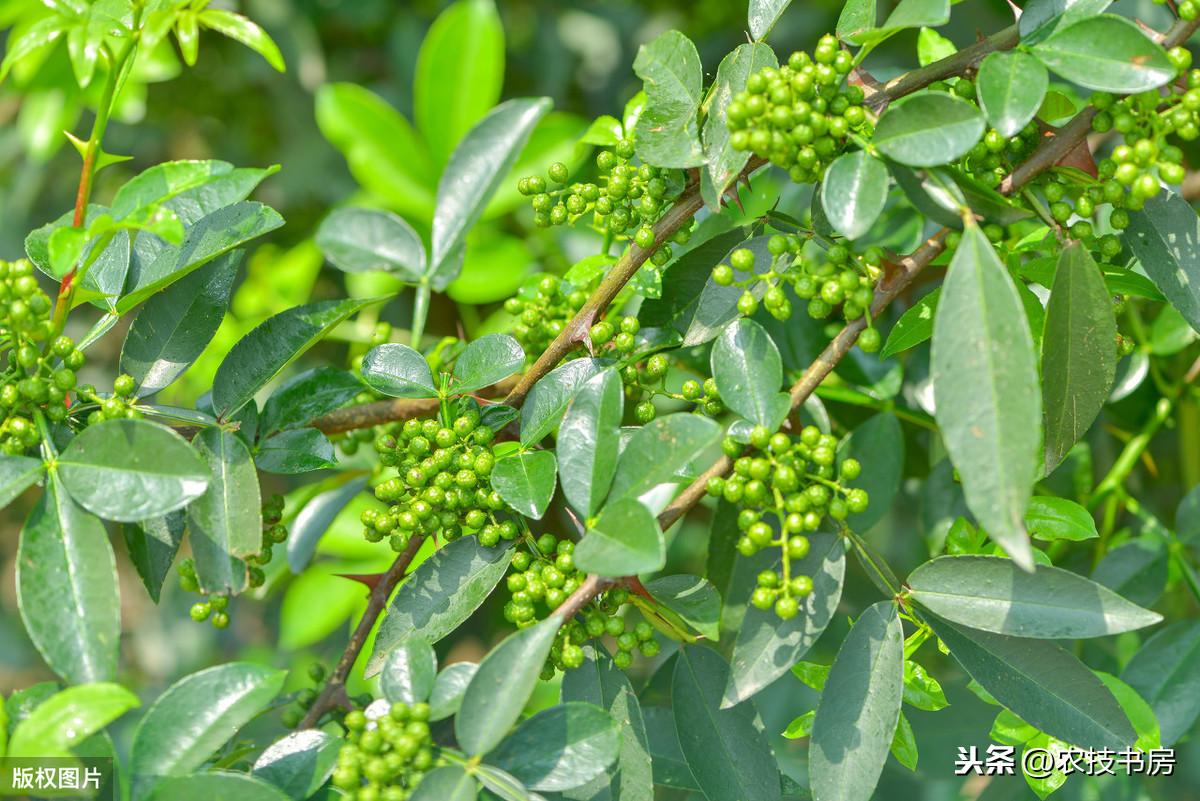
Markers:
(766, 647)
(725, 748)
(1042, 683)
(878, 445)
(131, 470)
(409, 672)
(1040, 18)
(526, 481)
(624, 541)
(1137, 570)
(244, 30)
(67, 718)
(856, 19)
(359, 240)
(298, 763)
(763, 14)
(904, 744)
(215, 784)
(300, 450)
(272, 346)
(306, 396)
(485, 361)
(1079, 354)
(668, 133)
(161, 182)
(501, 785)
(447, 783)
(215, 703)
(598, 681)
(152, 545)
(692, 598)
(658, 451)
(588, 440)
(686, 279)
(1051, 519)
(749, 372)
(995, 595)
(502, 685)
(911, 14)
(854, 192)
(448, 689)
(229, 513)
(721, 160)
(931, 47)
(1130, 61)
(398, 371)
(985, 387)
(859, 708)
(41, 34)
(914, 326)
(922, 690)
(1011, 86)
(479, 164)
(560, 748)
(175, 326)
(928, 129)
(706, 307)
(548, 400)
(440, 594)
(1140, 713)
(17, 474)
(315, 518)
(1165, 238)
(1166, 673)
(459, 74)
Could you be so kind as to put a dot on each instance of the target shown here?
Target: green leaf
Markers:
(922, 690)
(314, 520)
(1137, 570)
(215, 784)
(175, 326)
(215, 235)
(548, 400)
(448, 689)
(766, 646)
(560, 748)
(1166, 673)
(1049, 519)
(1042, 683)
(859, 708)
(928, 129)
(229, 513)
(271, 346)
(161, 182)
(500, 785)
(300, 450)
(485, 361)
(409, 672)
(41, 34)
(459, 73)
(526, 480)
(440, 595)
(358, 240)
(131, 470)
(1079, 354)
(763, 14)
(658, 451)
(588, 440)
(598, 681)
(244, 30)
(931, 47)
(502, 685)
(904, 744)
(722, 161)
(812, 674)
(1140, 714)
(667, 132)
(152, 545)
(993, 594)
(447, 783)
(857, 18)
(1129, 61)
(687, 278)
(914, 14)
(1170, 333)
(725, 748)
(306, 396)
(878, 445)
(398, 371)
(1040, 18)
(985, 388)
(298, 763)
(17, 474)
(68, 718)
(854, 192)
(692, 598)
(215, 703)
(914, 326)
(1165, 238)
(800, 727)
(476, 169)
(749, 372)
(1010, 87)
(624, 541)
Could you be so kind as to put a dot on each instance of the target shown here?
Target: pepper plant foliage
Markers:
(955, 274)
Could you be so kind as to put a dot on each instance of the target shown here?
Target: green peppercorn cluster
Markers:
(648, 380)
(41, 368)
(118, 405)
(442, 485)
(784, 487)
(625, 202)
(543, 306)
(541, 577)
(800, 115)
(385, 758)
(835, 278)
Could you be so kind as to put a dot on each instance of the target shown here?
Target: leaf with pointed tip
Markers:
(358, 240)
(398, 371)
(548, 400)
(1049, 519)
(300, 450)
(692, 598)
(854, 192)
(409, 672)
(1011, 86)
(1137, 570)
(658, 451)
(485, 361)
(1040, 18)
(526, 481)
(298, 763)
(560, 748)
(306, 396)
(448, 688)
(624, 541)
(152, 545)
(722, 161)
(67, 718)
(1165, 238)
(1166, 672)
(763, 14)
(985, 384)
(588, 441)
(667, 133)
(928, 129)
(229, 513)
(1130, 61)
(749, 372)
(244, 30)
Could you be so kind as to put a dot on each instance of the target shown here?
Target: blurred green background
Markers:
(337, 144)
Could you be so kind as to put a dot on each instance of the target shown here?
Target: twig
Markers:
(367, 415)
(956, 64)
